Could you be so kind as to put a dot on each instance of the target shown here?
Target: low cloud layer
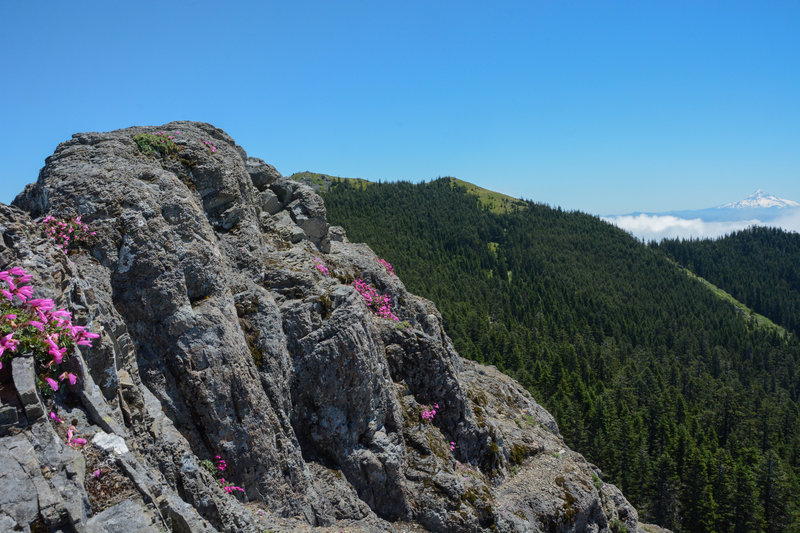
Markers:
(657, 227)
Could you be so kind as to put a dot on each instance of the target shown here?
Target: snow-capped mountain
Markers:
(758, 209)
(760, 199)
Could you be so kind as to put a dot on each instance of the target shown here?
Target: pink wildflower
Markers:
(7, 343)
(386, 265)
(85, 338)
(73, 379)
(96, 473)
(55, 351)
(72, 440)
(323, 269)
(45, 304)
(53, 383)
(62, 313)
(35, 323)
(24, 292)
(55, 418)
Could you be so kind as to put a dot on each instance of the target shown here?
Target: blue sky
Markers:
(605, 107)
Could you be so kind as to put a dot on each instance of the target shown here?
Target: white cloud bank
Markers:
(657, 227)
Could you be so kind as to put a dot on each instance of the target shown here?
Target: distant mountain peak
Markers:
(760, 199)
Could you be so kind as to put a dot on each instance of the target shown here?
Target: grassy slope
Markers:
(493, 201)
(759, 320)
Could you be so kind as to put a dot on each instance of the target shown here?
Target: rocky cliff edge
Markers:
(230, 330)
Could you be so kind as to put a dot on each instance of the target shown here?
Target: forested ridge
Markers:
(691, 410)
(758, 266)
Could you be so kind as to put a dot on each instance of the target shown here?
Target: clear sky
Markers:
(606, 107)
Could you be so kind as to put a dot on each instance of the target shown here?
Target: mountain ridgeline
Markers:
(693, 411)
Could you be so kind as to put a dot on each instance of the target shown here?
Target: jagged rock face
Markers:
(220, 337)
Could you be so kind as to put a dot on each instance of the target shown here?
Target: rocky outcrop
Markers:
(220, 337)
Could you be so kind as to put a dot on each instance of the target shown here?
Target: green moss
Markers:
(345, 279)
(518, 453)
(251, 335)
(438, 446)
(479, 415)
(188, 162)
(478, 397)
(617, 526)
(432, 486)
(596, 481)
(152, 144)
(209, 467)
(325, 305)
(569, 509)
(471, 496)
(255, 352)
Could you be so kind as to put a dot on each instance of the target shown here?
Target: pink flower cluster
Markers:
(72, 440)
(210, 146)
(452, 446)
(386, 265)
(38, 326)
(229, 487)
(320, 264)
(167, 135)
(381, 305)
(430, 411)
(7, 343)
(226, 485)
(67, 231)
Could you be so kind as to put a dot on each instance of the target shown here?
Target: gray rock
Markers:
(337, 233)
(262, 174)
(129, 516)
(8, 418)
(24, 377)
(16, 503)
(219, 337)
(110, 443)
(269, 203)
